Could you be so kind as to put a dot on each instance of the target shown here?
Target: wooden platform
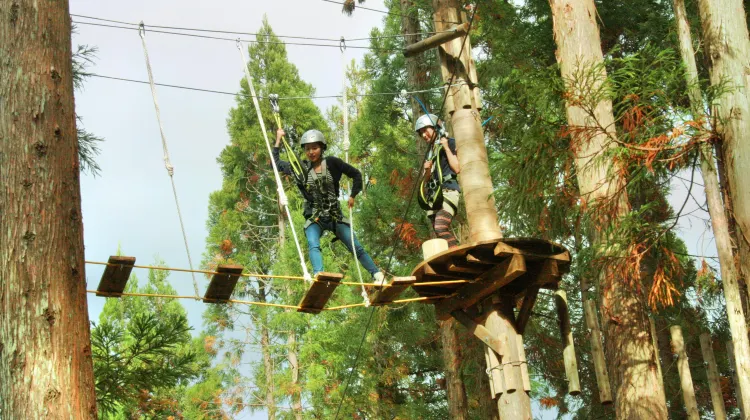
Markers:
(222, 284)
(319, 292)
(115, 277)
(515, 268)
(386, 294)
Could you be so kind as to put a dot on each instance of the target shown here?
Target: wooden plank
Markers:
(597, 353)
(436, 270)
(319, 292)
(222, 284)
(435, 40)
(683, 368)
(479, 331)
(458, 264)
(525, 312)
(115, 277)
(484, 286)
(712, 372)
(502, 249)
(383, 295)
(566, 335)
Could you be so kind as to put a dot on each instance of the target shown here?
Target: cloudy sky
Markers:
(131, 203)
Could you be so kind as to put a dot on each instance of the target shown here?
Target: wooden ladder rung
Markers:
(389, 293)
(222, 284)
(319, 292)
(115, 277)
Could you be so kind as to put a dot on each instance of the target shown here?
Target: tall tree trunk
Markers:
(292, 338)
(265, 346)
(457, 404)
(719, 223)
(416, 78)
(46, 369)
(630, 352)
(725, 36)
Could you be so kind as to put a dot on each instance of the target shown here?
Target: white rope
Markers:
(345, 130)
(167, 162)
(282, 195)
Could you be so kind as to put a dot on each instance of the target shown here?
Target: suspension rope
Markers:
(347, 143)
(279, 184)
(167, 161)
(271, 276)
(274, 305)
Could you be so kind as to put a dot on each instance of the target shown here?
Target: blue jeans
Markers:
(343, 232)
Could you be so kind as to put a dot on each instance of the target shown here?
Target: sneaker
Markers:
(378, 278)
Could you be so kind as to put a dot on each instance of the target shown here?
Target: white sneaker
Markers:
(378, 278)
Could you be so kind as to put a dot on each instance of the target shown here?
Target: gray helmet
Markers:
(427, 120)
(313, 136)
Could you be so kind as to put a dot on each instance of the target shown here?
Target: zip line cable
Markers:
(287, 98)
(167, 161)
(217, 31)
(279, 184)
(411, 199)
(234, 39)
(381, 11)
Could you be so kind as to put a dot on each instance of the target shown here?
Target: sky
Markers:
(131, 204)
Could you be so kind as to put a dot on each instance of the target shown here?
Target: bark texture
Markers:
(629, 349)
(727, 46)
(719, 223)
(458, 406)
(46, 369)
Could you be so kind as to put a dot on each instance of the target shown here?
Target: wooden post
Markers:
(683, 367)
(712, 372)
(735, 379)
(597, 352)
(436, 40)
(655, 342)
(566, 334)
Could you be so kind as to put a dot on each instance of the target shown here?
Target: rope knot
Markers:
(170, 168)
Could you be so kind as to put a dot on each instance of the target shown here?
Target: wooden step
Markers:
(319, 292)
(115, 277)
(389, 293)
(222, 284)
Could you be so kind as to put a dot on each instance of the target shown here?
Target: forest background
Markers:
(127, 205)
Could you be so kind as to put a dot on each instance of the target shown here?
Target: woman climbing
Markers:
(440, 173)
(321, 191)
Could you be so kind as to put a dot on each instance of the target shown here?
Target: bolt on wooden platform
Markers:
(319, 292)
(222, 283)
(115, 276)
(383, 295)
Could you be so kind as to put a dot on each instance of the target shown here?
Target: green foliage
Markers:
(88, 147)
(146, 363)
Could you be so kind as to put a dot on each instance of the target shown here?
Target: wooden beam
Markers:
(566, 335)
(712, 372)
(485, 285)
(319, 292)
(222, 284)
(115, 277)
(597, 353)
(479, 331)
(525, 312)
(383, 295)
(436, 40)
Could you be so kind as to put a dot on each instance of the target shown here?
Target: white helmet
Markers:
(427, 120)
(313, 136)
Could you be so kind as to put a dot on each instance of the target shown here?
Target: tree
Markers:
(630, 353)
(45, 354)
(145, 361)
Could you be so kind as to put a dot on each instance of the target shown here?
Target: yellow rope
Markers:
(274, 276)
(276, 305)
(245, 302)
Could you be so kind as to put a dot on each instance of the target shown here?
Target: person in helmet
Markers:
(321, 191)
(440, 173)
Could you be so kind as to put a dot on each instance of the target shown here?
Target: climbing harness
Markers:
(432, 198)
(167, 161)
(280, 187)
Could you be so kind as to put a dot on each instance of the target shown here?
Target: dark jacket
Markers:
(336, 167)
